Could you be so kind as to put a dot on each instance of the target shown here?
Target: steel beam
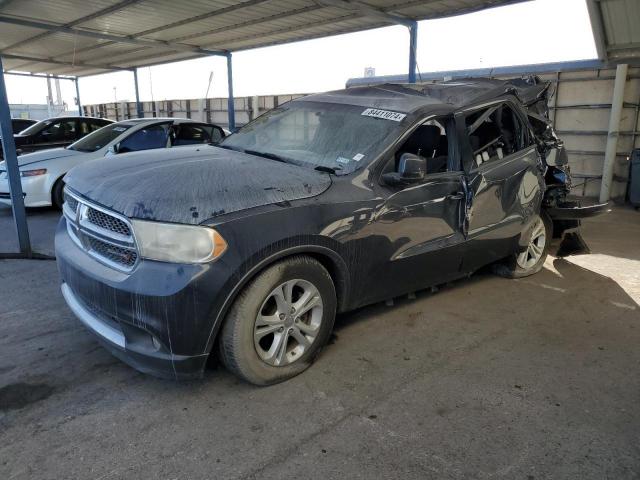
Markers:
(231, 111)
(367, 10)
(38, 75)
(178, 47)
(13, 173)
(138, 104)
(413, 47)
(77, 21)
(597, 27)
(179, 23)
(614, 128)
(53, 61)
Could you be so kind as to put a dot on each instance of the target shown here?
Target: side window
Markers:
(434, 141)
(495, 133)
(148, 138)
(189, 134)
(59, 131)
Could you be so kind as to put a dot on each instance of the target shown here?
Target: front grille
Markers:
(114, 253)
(71, 202)
(104, 235)
(108, 222)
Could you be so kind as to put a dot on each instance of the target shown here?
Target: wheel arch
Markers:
(328, 258)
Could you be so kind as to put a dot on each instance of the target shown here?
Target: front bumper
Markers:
(35, 190)
(159, 318)
(133, 346)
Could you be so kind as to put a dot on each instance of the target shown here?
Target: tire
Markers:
(263, 319)
(539, 232)
(57, 197)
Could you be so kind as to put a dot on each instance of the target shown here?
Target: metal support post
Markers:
(230, 103)
(413, 46)
(11, 162)
(139, 110)
(617, 104)
(78, 97)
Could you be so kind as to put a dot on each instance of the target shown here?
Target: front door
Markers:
(422, 223)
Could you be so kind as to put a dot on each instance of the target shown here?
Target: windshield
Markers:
(36, 127)
(98, 139)
(319, 135)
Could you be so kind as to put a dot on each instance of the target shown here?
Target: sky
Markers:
(540, 31)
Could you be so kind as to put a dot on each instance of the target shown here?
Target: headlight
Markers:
(169, 242)
(33, 173)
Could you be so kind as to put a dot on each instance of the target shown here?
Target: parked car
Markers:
(19, 124)
(322, 205)
(55, 132)
(42, 172)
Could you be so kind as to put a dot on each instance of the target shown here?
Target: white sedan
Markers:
(41, 172)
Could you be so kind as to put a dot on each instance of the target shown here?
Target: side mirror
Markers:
(411, 169)
(112, 150)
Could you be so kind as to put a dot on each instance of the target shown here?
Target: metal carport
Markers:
(74, 38)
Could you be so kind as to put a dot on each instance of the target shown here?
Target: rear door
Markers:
(504, 178)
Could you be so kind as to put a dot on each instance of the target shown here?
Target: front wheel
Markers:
(530, 260)
(57, 194)
(279, 322)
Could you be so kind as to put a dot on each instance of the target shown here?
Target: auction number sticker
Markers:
(385, 114)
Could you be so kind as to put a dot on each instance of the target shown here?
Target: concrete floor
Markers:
(42, 225)
(488, 378)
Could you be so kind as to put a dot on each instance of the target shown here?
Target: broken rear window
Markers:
(319, 134)
(496, 132)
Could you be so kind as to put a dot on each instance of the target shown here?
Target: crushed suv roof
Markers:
(451, 95)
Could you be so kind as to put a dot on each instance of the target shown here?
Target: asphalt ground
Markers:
(487, 378)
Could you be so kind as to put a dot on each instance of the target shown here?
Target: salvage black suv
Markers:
(248, 249)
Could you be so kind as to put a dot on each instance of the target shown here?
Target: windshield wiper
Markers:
(324, 168)
(227, 147)
(271, 156)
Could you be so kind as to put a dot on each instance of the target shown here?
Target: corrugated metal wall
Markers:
(208, 110)
(580, 109)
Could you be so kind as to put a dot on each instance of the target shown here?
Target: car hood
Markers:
(42, 155)
(193, 184)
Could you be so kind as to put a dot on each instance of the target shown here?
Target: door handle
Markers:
(456, 196)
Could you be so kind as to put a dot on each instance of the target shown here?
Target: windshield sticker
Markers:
(342, 160)
(119, 129)
(385, 114)
(357, 157)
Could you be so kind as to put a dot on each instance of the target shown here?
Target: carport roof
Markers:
(615, 29)
(79, 37)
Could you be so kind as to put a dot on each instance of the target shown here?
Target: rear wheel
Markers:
(57, 197)
(279, 322)
(530, 260)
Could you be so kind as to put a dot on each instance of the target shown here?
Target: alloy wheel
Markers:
(535, 249)
(288, 322)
